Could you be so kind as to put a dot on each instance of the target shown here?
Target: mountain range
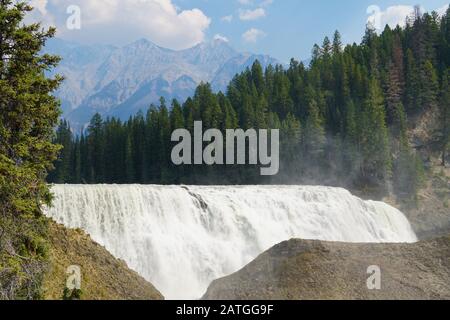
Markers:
(120, 81)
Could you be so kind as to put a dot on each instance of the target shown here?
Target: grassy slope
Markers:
(103, 276)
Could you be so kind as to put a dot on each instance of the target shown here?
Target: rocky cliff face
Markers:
(103, 277)
(301, 269)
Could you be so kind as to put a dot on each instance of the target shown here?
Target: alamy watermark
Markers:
(72, 290)
(374, 281)
(73, 281)
(73, 22)
(241, 147)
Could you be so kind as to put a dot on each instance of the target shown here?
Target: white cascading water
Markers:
(180, 238)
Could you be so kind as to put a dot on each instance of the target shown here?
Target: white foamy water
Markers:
(181, 238)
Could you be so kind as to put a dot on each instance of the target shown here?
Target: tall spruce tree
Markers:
(28, 115)
(28, 111)
(63, 166)
(96, 145)
(375, 147)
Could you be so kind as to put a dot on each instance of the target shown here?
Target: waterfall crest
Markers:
(180, 238)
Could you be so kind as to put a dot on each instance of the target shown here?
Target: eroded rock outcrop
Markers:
(301, 269)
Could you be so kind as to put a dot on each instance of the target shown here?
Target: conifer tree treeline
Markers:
(343, 119)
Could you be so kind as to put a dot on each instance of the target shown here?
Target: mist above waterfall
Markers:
(181, 238)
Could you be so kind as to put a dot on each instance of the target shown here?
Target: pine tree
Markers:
(261, 110)
(412, 84)
(351, 143)
(247, 118)
(77, 161)
(281, 100)
(407, 172)
(369, 36)
(129, 163)
(28, 115)
(376, 163)
(164, 142)
(139, 147)
(28, 111)
(337, 43)
(154, 145)
(63, 166)
(430, 86)
(84, 158)
(399, 125)
(395, 81)
(418, 36)
(444, 128)
(314, 133)
(258, 77)
(176, 116)
(95, 144)
(206, 101)
(189, 113)
(326, 48)
(230, 120)
(444, 41)
(316, 54)
(291, 143)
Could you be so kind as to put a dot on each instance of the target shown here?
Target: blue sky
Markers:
(280, 28)
(291, 27)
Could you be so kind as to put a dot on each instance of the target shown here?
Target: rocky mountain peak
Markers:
(119, 81)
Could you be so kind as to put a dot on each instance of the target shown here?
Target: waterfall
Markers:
(180, 238)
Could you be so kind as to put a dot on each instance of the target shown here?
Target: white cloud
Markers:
(40, 5)
(227, 18)
(263, 3)
(266, 3)
(441, 11)
(247, 15)
(221, 38)
(246, 2)
(40, 11)
(122, 21)
(253, 35)
(393, 16)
